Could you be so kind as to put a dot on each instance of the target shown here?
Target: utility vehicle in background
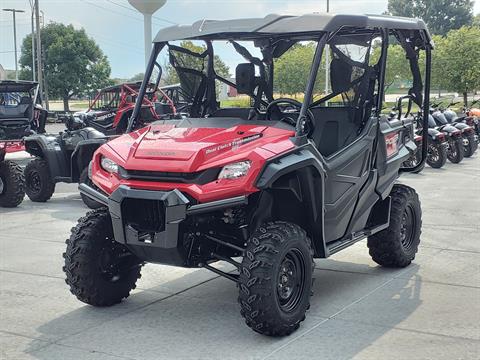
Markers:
(276, 184)
(112, 107)
(21, 114)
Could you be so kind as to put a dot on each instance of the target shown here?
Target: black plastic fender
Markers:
(48, 148)
(83, 154)
(302, 172)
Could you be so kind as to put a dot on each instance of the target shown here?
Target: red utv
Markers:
(20, 115)
(112, 107)
(266, 188)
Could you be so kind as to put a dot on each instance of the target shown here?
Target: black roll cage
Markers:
(411, 44)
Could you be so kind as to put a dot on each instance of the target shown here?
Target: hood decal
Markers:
(234, 144)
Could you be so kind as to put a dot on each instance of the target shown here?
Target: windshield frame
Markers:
(320, 38)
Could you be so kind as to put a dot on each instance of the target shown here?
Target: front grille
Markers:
(199, 177)
(143, 215)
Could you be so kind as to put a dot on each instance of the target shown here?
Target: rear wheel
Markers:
(100, 271)
(437, 155)
(455, 150)
(275, 280)
(469, 145)
(39, 185)
(84, 179)
(12, 184)
(397, 245)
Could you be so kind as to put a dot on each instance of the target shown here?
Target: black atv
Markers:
(61, 158)
(276, 184)
(21, 114)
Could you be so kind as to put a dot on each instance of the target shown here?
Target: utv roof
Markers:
(283, 24)
(16, 86)
(129, 84)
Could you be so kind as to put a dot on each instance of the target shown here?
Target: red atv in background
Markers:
(21, 115)
(112, 107)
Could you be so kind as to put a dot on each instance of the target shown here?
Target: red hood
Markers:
(193, 149)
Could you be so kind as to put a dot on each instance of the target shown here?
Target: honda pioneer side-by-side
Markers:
(21, 114)
(266, 188)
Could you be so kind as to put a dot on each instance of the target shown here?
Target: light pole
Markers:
(14, 11)
(327, 57)
(39, 49)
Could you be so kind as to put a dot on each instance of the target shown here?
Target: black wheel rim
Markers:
(433, 153)
(291, 280)
(2, 186)
(407, 228)
(34, 183)
(114, 262)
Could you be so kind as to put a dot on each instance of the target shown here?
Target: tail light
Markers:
(457, 133)
(391, 142)
(440, 136)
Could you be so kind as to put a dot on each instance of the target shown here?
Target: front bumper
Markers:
(148, 222)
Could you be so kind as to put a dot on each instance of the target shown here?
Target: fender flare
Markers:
(83, 154)
(48, 148)
(306, 163)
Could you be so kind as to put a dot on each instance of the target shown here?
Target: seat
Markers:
(334, 128)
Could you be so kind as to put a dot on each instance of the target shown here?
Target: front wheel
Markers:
(397, 245)
(84, 179)
(12, 184)
(455, 150)
(436, 155)
(99, 270)
(275, 281)
(39, 185)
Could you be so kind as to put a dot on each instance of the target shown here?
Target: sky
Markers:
(118, 28)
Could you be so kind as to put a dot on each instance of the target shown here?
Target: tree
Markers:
(476, 20)
(137, 77)
(74, 64)
(441, 16)
(456, 61)
(292, 70)
(398, 66)
(170, 75)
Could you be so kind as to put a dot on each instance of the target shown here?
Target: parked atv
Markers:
(60, 158)
(20, 115)
(274, 188)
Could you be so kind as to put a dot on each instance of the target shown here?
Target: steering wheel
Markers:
(288, 119)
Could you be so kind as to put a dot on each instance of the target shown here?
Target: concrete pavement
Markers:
(430, 310)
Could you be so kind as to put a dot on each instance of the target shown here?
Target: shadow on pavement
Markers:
(209, 325)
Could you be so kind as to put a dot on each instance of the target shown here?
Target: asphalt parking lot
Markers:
(430, 310)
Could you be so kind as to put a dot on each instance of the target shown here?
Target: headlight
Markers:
(235, 170)
(109, 165)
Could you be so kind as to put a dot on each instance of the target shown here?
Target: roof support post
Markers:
(317, 59)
